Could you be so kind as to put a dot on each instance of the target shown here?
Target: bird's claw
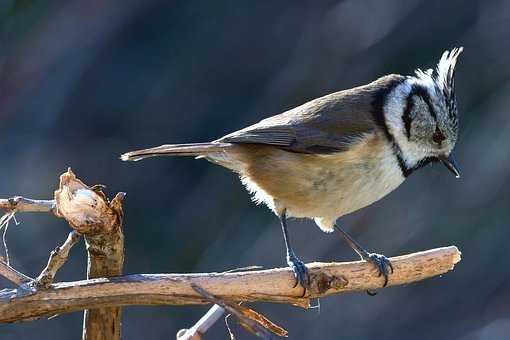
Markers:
(300, 272)
(383, 264)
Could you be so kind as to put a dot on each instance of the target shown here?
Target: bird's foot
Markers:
(300, 271)
(382, 263)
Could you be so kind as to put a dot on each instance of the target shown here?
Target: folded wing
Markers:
(325, 125)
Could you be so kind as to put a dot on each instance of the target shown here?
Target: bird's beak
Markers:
(449, 162)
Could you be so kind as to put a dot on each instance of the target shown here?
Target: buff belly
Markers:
(322, 187)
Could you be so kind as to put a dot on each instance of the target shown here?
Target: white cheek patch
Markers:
(394, 108)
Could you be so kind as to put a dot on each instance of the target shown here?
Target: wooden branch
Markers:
(19, 203)
(57, 259)
(88, 211)
(253, 322)
(13, 275)
(273, 285)
(105, 259)
(208, 319)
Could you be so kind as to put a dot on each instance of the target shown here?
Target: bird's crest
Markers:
(444, 79)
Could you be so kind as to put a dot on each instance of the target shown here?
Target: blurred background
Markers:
(83, 81)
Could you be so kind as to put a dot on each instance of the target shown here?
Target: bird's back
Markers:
(324, 125)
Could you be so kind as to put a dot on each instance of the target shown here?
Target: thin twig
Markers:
(23, 204)
(252, 321)
(4, 224)
(57, 259)
(275, 285)
(227, 325)
(211, 316)
(13, 275)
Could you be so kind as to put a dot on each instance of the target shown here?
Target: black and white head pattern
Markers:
(421, 113)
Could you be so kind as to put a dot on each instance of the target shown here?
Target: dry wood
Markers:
(89, 212)
(12, 274)
(273, 285)
(19, 203)
(252, 321)
(57, 259)
(196, 331)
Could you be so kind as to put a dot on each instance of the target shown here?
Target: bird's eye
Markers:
(438, 136)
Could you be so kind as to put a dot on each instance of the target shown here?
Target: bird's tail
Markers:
(193, 149)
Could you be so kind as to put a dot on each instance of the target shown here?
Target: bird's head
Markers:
(421, 115)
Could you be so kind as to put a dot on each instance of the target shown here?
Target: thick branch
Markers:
(273, 285)
(105, 259)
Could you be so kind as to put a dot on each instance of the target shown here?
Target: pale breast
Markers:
(349, 181)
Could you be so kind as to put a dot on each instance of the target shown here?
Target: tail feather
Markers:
(193, 149)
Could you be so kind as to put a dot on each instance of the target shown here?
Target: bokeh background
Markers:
(82, 81)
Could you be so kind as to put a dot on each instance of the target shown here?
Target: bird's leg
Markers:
(380, 261)
(297, 266)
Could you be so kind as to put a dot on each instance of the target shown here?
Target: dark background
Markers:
(82, 81)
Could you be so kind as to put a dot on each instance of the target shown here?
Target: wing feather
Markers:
(324, 125)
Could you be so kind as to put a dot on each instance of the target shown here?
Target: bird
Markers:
(339, 153)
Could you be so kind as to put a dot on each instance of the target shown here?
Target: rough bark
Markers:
(273, 285)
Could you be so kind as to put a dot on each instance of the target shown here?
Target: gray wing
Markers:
(324, 125)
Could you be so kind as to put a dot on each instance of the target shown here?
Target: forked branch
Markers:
(91, 214)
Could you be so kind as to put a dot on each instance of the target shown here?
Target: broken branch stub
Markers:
(87, 209)
(89, 212)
